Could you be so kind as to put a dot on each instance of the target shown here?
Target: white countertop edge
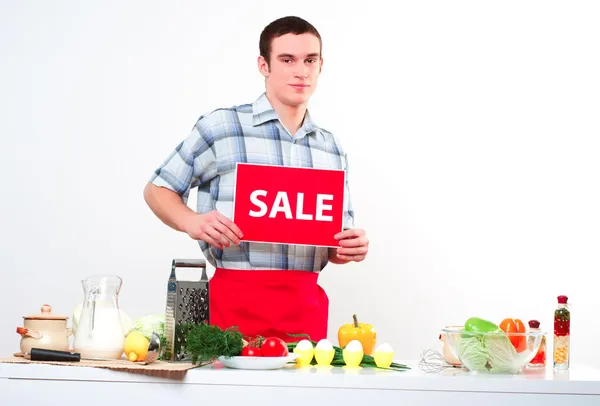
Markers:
(579, 380)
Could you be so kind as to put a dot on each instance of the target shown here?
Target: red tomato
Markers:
(249, 351)
(274, 347)
(515, 326)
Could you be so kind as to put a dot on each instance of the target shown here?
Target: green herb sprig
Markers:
(205, 343)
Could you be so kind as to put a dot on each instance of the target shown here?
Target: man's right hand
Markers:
(213, 228)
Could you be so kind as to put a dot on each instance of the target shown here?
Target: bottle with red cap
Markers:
(539, 361)
(562, 334)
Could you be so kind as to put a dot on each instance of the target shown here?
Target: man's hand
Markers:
(354, 246)
(213, 228)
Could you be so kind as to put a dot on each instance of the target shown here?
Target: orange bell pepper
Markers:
(515, 326)
(363, 332)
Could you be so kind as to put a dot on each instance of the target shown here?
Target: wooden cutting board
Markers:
(158, 368)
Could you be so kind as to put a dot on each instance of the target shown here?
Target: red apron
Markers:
(269, 303)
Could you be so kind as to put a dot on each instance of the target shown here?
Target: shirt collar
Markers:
(263, 111)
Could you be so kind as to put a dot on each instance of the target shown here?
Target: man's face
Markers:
(294, 68)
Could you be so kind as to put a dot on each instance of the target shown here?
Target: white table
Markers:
(37, 384)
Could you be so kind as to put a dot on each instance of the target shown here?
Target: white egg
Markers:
(324, 344)
(304, 345)
(384, 348)
(354, 346)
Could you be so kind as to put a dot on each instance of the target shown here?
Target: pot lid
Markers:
(46, 314)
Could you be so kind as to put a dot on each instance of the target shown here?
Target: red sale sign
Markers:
(288, 205)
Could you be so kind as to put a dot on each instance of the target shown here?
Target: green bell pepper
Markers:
(477, 325)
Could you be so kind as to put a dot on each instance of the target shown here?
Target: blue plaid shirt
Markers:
(250, 133)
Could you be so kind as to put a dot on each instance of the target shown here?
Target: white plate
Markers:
(257, 362)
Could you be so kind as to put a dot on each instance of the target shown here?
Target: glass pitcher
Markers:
(99, 333)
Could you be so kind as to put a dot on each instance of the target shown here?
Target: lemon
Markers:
(136, 346)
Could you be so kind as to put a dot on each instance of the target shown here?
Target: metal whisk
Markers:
(433, 361)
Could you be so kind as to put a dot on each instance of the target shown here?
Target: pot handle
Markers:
(29, 333)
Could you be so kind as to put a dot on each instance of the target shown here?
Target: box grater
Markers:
(187, 302)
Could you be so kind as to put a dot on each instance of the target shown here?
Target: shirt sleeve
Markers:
(348, 209)
(190, 164)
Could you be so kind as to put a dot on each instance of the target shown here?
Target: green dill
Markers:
(205, 343)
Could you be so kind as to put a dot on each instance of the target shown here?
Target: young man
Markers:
(263, 289)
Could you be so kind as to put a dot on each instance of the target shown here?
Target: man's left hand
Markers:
(354, 246)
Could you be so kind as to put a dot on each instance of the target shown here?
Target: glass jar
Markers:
(539, 361)
(562, 334)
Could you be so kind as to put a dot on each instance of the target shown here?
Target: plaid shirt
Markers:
(250, 133)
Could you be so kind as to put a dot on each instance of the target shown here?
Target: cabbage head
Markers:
(492, 353)
(150, 323)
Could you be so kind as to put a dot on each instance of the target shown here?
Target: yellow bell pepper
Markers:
(363, 332)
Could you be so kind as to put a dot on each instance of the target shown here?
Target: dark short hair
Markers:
(282, 26)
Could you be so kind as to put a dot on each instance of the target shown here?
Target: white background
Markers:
(472, 130)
